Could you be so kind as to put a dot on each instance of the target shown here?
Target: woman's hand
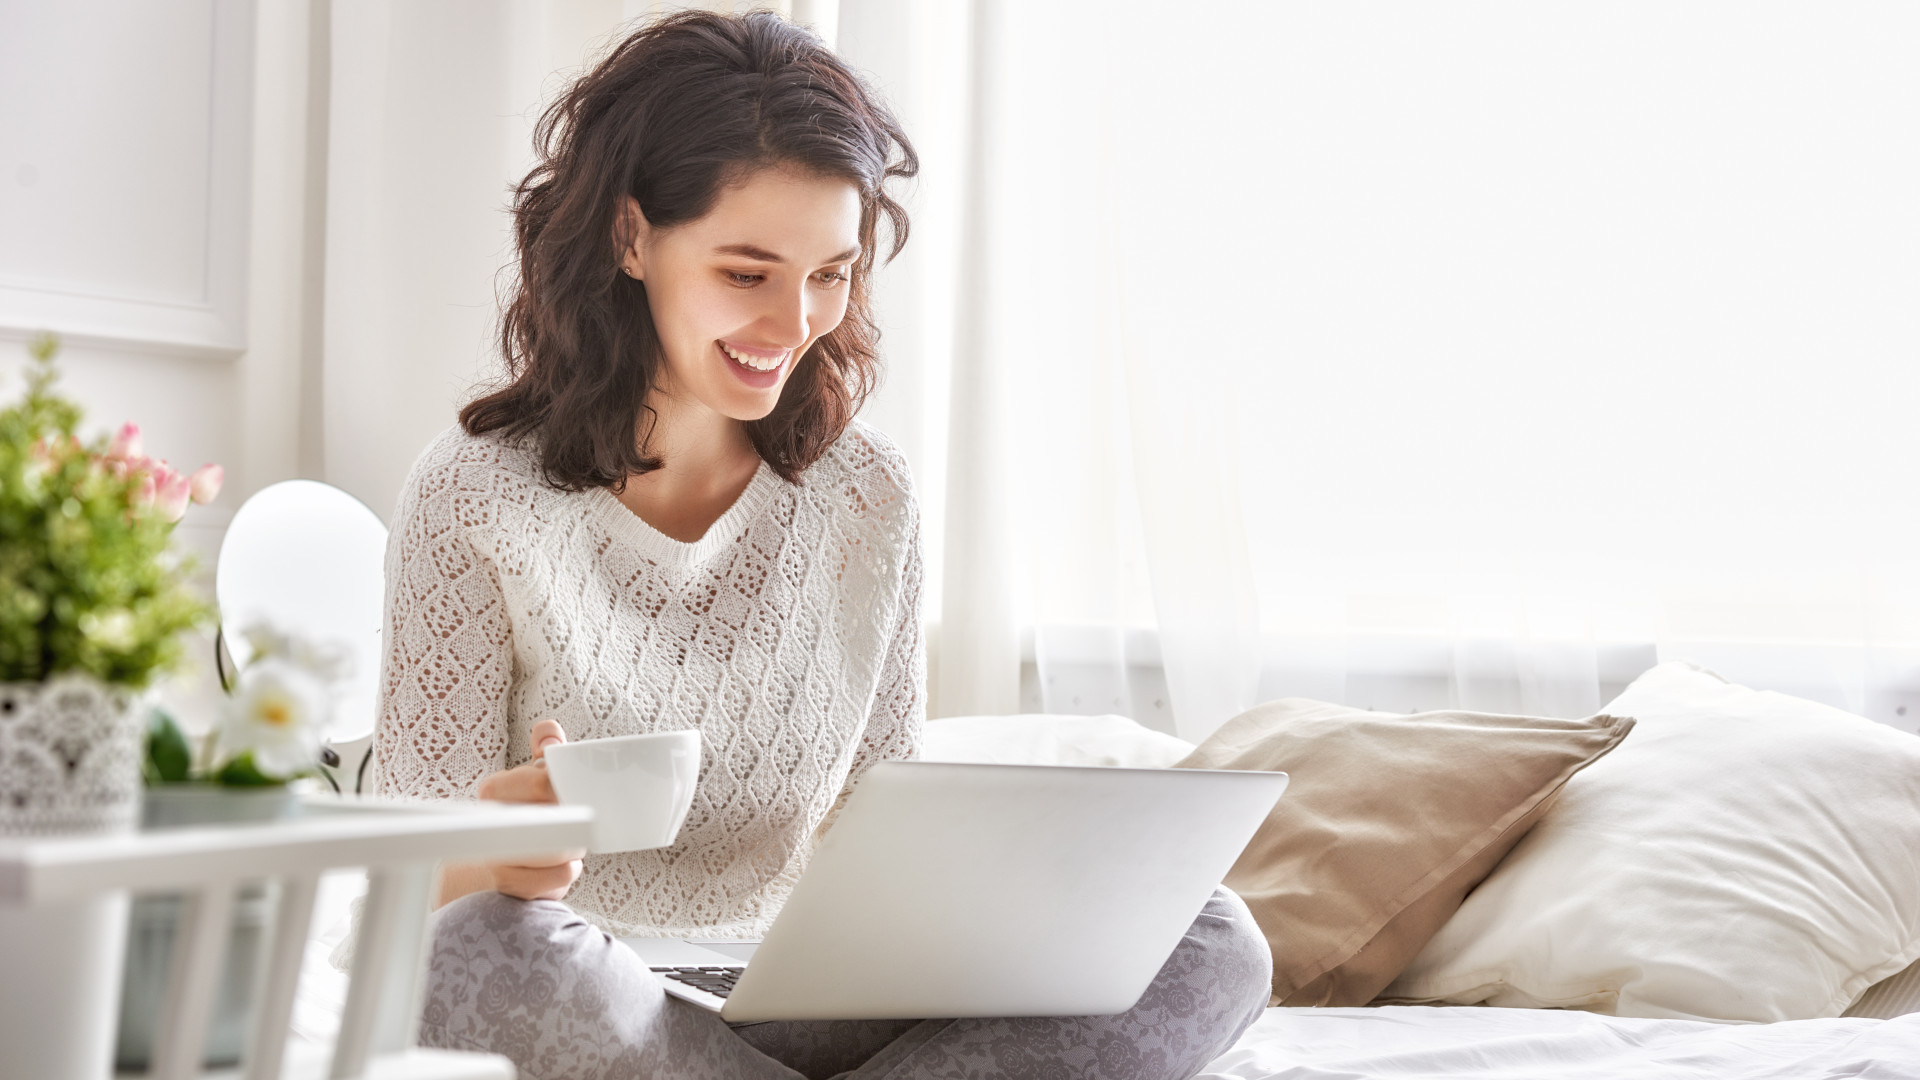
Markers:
(545, 877)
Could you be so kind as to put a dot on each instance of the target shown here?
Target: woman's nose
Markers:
(788, 319)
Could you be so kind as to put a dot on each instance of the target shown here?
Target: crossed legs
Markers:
(534, 981)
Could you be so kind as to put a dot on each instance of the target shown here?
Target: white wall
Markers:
(124, 148)
(126, 160)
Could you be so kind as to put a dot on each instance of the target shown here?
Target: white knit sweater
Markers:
(789, 635)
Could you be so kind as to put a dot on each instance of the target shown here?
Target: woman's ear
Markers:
(630, 238)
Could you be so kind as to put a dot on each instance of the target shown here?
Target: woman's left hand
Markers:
(539, 877)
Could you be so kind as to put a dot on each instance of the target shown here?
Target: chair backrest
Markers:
(309, 558)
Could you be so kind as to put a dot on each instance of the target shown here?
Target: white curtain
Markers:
(1476, 355)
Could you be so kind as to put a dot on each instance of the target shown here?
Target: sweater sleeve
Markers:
(447, 653)
(899, 712)
(897, 717)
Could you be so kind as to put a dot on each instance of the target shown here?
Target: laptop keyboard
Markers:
(717, 981)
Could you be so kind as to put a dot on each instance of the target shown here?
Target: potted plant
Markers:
(93, 603)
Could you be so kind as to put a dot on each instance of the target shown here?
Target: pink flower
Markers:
(205, 482)
(171, 492)
(144, 494)
(125, 445)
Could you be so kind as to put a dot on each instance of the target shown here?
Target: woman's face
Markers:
(740, 294)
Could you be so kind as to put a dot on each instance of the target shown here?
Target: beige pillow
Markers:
(1387, 824)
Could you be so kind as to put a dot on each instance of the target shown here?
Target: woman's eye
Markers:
(742, 279)
(830, 277)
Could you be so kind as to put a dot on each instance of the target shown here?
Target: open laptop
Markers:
(949, 890)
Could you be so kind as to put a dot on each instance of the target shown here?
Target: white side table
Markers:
(398, 843)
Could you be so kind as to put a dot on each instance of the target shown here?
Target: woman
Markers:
(669, 519)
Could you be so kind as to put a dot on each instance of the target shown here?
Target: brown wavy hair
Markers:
(679, 110)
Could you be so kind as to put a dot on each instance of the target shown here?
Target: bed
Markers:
(1409, 1042)
(1878, 1040)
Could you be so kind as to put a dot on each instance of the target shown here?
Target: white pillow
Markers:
(1742, 856)
(1039, 739)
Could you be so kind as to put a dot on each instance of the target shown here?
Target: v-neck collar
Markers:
(633, 529)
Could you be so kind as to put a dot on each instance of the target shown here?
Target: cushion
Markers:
(1039, 739)
(1745, 856)
(1388, 821)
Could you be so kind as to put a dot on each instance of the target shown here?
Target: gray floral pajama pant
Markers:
(536, 982)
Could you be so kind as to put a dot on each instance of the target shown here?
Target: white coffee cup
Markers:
(640, 786)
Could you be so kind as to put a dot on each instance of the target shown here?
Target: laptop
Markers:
(952, 890)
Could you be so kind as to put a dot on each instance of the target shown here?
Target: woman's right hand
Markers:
(545, 877)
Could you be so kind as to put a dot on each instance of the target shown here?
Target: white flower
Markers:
(279, 713)
(267, 641)
(329, 662)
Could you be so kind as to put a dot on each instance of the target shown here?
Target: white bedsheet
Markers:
(1402, 1042)
(1430, 1043)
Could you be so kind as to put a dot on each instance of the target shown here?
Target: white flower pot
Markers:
(69, 758)
(69, 765)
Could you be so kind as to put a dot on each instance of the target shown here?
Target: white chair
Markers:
(305, 556)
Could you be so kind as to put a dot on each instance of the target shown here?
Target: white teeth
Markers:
(757, 363)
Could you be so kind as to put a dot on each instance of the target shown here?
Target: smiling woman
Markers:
(734, 318)
(759, 183)
(668, 519)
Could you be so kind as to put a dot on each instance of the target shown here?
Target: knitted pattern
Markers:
(789, 635)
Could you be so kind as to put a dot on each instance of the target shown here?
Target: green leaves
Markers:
(87, 581)
(168, 759)
(240, 771)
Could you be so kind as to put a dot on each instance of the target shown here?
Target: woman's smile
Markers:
(753, 367)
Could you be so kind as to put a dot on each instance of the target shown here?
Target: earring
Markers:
(627, 270)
